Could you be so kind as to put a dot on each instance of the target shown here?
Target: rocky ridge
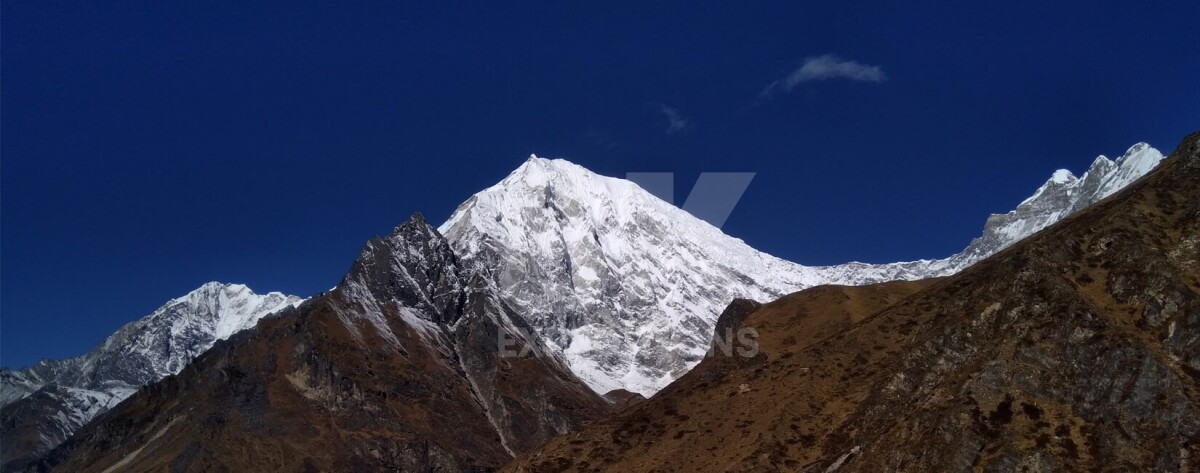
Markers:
(396, 368)
(42, 405)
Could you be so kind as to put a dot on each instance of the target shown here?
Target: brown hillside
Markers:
(1077, 349)
(397, 369)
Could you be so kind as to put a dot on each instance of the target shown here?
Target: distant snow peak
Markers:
(1062, 176)
(231, 307)
(627, 287)
(73, 391)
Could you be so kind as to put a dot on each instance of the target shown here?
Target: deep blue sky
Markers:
(148, 147)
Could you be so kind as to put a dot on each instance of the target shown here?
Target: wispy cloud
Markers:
(824, 67)
(600, 139)
(676, 122)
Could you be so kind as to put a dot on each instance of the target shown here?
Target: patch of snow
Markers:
(1062, 176)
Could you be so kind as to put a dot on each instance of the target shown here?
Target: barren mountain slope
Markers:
(397, 368)
(43, 404)
(1076, 349)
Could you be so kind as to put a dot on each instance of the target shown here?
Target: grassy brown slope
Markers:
(1076, 349)
(321, 388)
(279, 401)
(702, 421)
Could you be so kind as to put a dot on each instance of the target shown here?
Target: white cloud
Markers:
(676, 122)
(828, 66)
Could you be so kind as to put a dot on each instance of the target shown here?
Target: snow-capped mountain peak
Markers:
(627, 286)
(1135, 163)
(233, 307)
(1062, 176)
(608, 273)
(71, 392)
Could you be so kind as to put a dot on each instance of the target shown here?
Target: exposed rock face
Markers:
(33, 425)
(627, 287)
(395, 369)
(731, 319)
(1076, 349)
(42, 405)
(621, 398)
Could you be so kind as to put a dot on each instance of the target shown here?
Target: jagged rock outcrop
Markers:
(396, 368)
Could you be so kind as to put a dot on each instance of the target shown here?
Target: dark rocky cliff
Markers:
(396, 369)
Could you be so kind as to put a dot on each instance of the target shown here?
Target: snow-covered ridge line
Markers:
(626, 286)
(73, 391)
(1061, 195)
